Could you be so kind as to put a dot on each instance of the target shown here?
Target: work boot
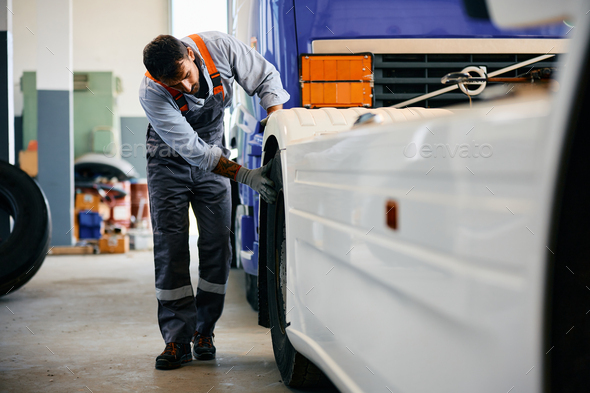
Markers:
(173, 356)
(203, 348)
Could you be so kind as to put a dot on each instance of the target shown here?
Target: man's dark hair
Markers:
(162, 57)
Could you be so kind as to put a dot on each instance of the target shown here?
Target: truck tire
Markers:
(23, 252)
(296, 370)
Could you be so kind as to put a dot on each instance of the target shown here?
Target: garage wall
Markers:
(24, 26)
(109, 35)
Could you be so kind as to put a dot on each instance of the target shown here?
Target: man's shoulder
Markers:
(143, 87)
(208, 36)
(220, 47)
(151, 91)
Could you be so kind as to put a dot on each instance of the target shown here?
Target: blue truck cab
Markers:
(413, 43)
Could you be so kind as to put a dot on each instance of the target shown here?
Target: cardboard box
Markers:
(104, 210)
(71, 250)
(28, 162)
(114, 244)
(87, 202)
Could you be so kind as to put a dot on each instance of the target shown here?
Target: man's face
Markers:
(188, 75)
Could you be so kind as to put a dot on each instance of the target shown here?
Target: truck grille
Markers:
(400, 77)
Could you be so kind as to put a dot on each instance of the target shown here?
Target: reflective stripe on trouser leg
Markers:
(168, 178)
(207, 286)
(212, 206)
(174, 294)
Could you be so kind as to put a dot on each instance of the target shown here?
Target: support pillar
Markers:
(55, 115)
(6, 100)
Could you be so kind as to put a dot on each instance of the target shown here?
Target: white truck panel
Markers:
(299, 124)
(458, 286)
(451, 301)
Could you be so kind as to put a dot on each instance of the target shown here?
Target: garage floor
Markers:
(88, 323)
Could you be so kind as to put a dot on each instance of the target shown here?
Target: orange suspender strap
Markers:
(213, 73)
(177, 95)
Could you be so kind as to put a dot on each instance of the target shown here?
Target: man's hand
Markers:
(270, 110)
(258, 180)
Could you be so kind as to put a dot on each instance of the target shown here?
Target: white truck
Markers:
(439, 250)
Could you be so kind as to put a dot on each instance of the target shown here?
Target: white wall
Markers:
(193, 16)
(109, 35)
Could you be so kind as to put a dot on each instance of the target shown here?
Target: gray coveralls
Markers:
(173, 183)
(181, 152)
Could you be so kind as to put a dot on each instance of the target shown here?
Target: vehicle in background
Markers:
(411, 46)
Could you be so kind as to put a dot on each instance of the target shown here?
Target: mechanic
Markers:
(184, 93)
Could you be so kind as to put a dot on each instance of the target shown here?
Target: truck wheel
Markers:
(23, 251)
(296, 370)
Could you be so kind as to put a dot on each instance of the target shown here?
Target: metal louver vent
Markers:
(400, 77)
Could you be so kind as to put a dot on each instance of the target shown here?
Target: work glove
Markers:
(258, 180)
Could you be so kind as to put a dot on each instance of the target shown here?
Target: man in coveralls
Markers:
(184, 93)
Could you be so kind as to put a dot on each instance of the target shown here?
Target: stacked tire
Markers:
(25, 248)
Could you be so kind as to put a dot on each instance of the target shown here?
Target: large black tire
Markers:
(23, 252)
(296, 370)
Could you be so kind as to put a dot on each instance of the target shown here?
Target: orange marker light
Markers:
(391, 214)
(340, 81)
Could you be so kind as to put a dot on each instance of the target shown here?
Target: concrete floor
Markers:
(88, 323)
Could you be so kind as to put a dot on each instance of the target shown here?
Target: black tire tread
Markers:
(296, 370)
(306, 374)
(26, 247)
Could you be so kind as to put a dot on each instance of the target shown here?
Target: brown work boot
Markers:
(203, 348)
(173, 356)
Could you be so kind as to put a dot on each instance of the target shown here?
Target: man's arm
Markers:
(273, 108)
(269, 111)
(175, 131)
(227, 168)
